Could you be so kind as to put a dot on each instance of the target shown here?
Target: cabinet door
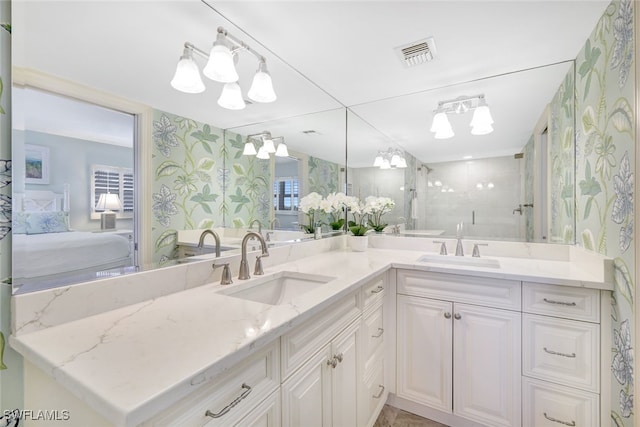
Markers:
(486, 365)
(266, 414)
(345, 377)
(424, 359)
(306, 395)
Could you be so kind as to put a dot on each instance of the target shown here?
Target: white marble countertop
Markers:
(131, 362)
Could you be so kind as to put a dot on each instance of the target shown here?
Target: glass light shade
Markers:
(231, 97)
(220, 66)
(481, 116)
(479, 186)
(438, 183)
(268, 145)
(395, 160)
(490, 185)
(385, 164)
(402, 164)
(378, 161)
(282, 150)
(262, 153)
(440, 121)
(481, 129)
(108, 202)
(187, 77)
(249, 149)
(262, 87)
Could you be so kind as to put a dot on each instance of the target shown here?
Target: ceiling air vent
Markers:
(418, 52)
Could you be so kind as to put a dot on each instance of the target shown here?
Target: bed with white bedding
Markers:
(46, 251)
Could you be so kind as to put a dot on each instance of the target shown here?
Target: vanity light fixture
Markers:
(480, 123)
(392, 158)
(267, 148)
(221, 67)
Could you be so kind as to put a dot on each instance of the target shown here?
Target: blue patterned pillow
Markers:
(19, 223)
(47, 222)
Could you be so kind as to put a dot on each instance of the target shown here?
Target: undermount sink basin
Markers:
(461, 260)
(279, 288)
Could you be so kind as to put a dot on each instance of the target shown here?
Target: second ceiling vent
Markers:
(417, 53)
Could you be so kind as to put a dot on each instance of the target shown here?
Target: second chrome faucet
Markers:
(244, 265)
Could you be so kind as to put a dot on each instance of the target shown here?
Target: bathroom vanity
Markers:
(519, 340)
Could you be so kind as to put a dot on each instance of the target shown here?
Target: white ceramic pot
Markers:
(358, 243)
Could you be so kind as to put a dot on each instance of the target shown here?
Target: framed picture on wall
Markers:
(36, 168)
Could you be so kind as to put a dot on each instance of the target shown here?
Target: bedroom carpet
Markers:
(394, 417)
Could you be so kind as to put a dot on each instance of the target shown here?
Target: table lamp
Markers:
(107, 203)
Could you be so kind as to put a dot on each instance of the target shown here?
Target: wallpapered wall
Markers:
(604, 174)
(200, 181)
(561, 162)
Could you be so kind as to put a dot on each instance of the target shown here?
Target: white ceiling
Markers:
(324, 55)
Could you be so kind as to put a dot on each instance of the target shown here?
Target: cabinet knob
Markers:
(332, 362)
(338, 357)
(457, 316)
(447, 315)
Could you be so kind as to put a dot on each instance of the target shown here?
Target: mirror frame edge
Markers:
(26, 77)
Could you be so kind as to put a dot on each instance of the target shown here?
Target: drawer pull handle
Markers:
(379, 334)
(377, 290)
(227, 408)
(572, 423)
(556, 353)
(380, 393)
(550, 301)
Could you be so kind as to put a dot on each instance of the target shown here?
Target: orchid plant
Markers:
(334, 206)
(310, 205)
(376, 207)
(357, 227)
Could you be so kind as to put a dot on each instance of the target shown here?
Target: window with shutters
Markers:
(285, 194)
(112, 179)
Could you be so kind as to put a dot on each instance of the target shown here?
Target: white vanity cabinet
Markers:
(458, 345)
(565, 356)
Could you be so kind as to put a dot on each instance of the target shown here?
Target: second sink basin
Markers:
(460, 260)
(279, 288)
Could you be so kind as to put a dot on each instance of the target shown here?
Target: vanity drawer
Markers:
(373, 291)
(301, 343)
(551, 405)
(562, 351)
(488, 292)
(247, 383)
(374, 393)
(372, 335)
(561, 301)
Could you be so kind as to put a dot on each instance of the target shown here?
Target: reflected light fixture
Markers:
(267, 148)
(480, 123)
(392, 158)
(221, 67)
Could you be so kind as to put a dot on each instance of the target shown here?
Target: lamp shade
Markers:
(282, 150)
(440, 120)
(220, 66)
(249, 149)
(481, 129)
(262, 153)
(481, 116)
(268, 145)
(262, 87)
(187, 77)
(377, 162)
(231, 97)
(385, 164)
(108, 202)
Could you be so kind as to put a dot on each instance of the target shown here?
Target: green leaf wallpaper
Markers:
(187, 189)
(605, 153)
(324, 177)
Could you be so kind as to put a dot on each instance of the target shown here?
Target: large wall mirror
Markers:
(335, 116)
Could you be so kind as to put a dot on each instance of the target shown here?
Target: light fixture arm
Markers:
(240, 45)
(449, 105)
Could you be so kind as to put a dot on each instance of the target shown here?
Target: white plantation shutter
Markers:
(285, 194)
(111, 179)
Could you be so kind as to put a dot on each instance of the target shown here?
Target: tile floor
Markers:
(394, 417)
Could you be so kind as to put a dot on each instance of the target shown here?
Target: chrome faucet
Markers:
(459, 249)
(244, 265)
(272, 224)
(216, 238)
(259, 225)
